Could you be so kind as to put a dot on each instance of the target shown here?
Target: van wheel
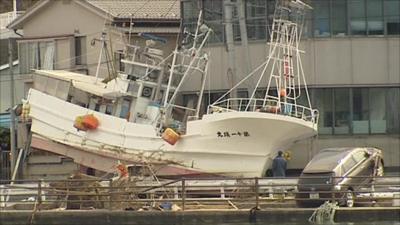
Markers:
(349, 198)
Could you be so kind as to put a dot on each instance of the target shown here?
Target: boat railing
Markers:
(142, 55)
(262, 105)
(185, 57)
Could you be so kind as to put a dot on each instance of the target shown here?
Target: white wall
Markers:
(327, 62)
(5, 84)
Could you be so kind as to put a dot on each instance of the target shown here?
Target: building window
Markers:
(360, 118)
(392, 16)
(256, 18)
(80, 50)
(357, 17)
(36, 55)
(342, 111)
(377, 110)
(375, 17)
(339, 18)
(214, 18)
(321, 19)
(190, 12)
(393, 112)
(373, 110)
(323, 101)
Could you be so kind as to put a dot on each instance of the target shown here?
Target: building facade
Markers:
(352, 67)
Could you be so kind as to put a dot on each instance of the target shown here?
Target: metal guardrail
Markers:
(5, 165)
(189, 194)
(263, 105)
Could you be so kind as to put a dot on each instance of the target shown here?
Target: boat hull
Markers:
(240, 144)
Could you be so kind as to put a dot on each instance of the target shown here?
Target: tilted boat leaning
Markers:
(136, 110)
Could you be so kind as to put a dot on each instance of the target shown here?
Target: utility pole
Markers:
(13, 149)
(15, 6)
(241, 6)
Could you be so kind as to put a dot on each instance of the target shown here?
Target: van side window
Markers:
(348, 164)
(359, 156)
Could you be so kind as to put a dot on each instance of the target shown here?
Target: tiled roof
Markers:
(140, 9)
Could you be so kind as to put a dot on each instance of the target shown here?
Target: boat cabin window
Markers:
(109, 109)
(97, 107)
(359, 156)
(133, 87)
(125, 108)
(81, 104)
(119, 55)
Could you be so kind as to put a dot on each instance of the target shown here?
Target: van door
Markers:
(363, 169)
(348, 171)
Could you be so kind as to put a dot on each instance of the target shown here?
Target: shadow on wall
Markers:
(4, 51)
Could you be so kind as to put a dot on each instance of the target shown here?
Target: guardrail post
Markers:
(109, 194)
(256, 191)
(333, 192)
(39, 195)
(66, 193)
(183, 194)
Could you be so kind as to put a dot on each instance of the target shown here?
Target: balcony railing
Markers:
(8, 17)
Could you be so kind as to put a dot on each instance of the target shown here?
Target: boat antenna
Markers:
(103, 44)
(102, 39)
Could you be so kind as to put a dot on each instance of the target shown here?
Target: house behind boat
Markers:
(65, 35)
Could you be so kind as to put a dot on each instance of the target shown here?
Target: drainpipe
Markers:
(12, 113)
(15, 7)
(15, 32)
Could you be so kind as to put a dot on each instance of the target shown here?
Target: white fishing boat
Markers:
(136, 110)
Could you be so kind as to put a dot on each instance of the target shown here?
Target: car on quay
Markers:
(336, 174)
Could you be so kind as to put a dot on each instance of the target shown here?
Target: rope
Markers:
(325, 213)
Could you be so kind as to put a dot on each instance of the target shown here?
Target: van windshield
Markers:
(325, 161)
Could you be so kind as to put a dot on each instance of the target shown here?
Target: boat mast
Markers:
(284, 53)
(197, 59)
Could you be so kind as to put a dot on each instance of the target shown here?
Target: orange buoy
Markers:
(78, 123)
(170, 136)
(90, 122)
(282, 93)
